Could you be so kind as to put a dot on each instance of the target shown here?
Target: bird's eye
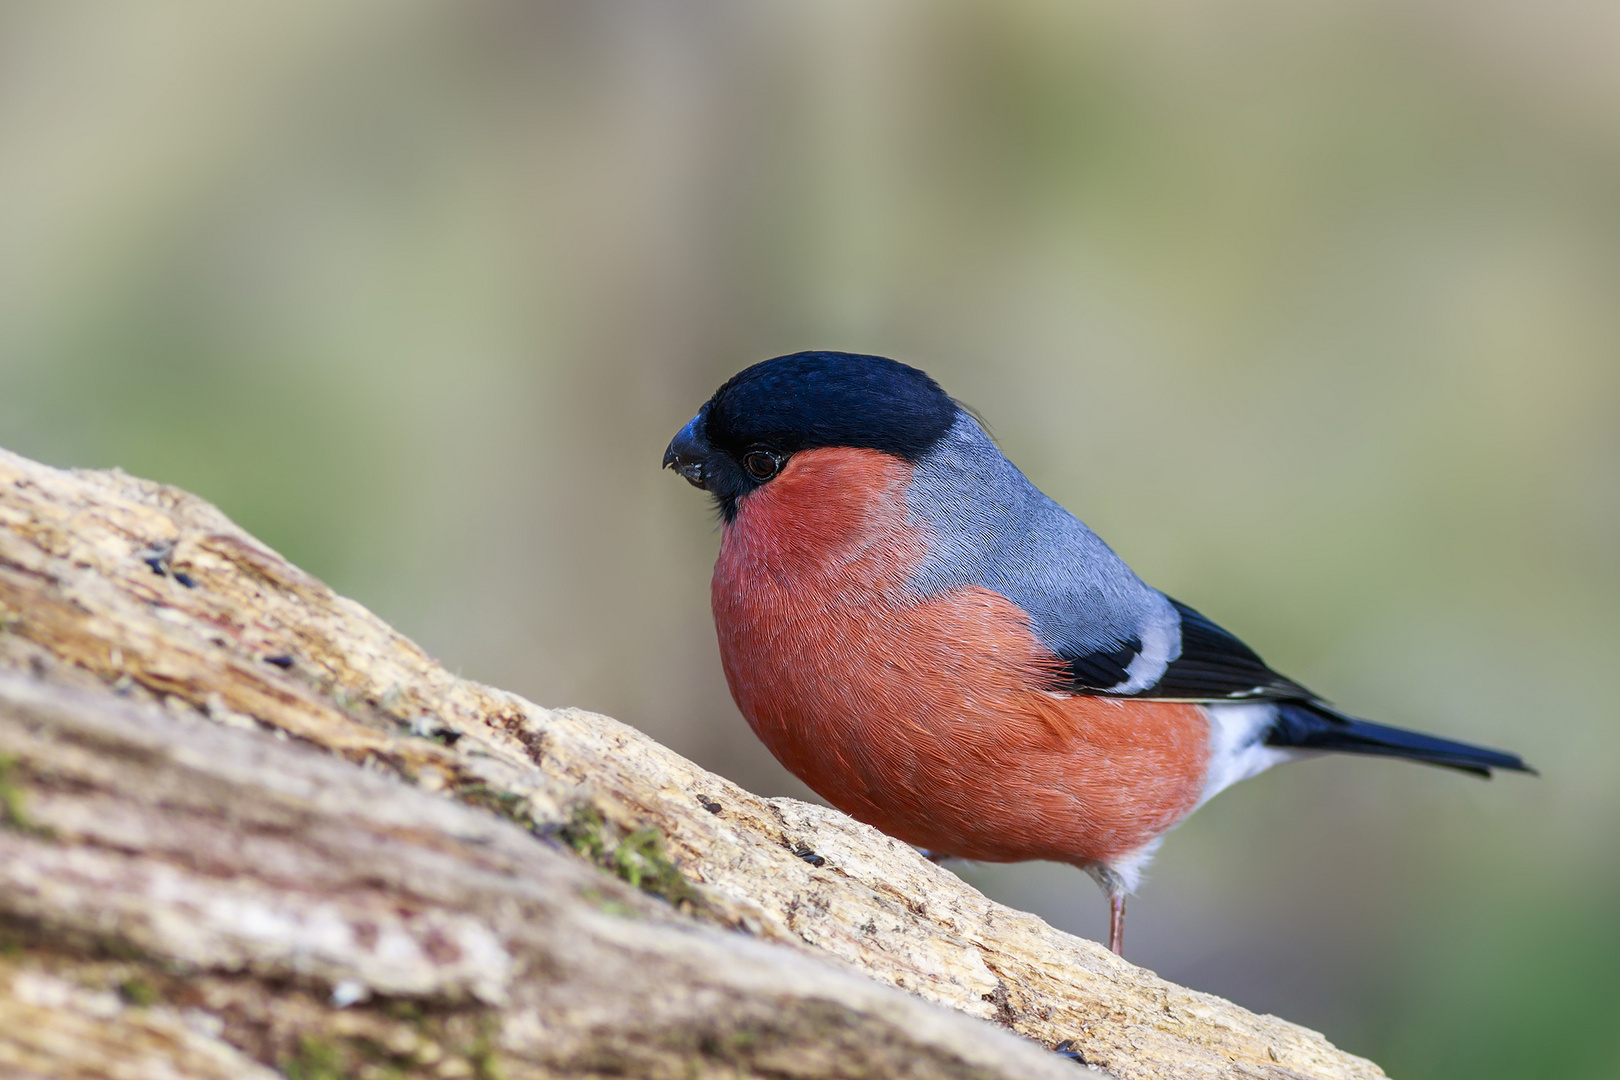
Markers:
(761, 464)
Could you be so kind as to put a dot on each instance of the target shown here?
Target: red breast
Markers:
(925, 716)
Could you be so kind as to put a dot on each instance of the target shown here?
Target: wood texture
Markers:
(177, 887)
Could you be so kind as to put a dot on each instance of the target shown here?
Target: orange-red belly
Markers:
(926, 717)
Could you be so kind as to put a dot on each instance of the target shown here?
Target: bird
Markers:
(940, 650)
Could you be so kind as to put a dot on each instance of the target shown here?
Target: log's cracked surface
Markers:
(178, 886)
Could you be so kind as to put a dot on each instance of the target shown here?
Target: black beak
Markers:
(686, 453)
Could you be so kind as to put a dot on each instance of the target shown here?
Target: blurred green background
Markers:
(1311, 310)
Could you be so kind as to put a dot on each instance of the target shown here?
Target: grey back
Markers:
(989, 526)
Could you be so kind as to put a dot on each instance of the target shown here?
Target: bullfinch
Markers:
(940, 650)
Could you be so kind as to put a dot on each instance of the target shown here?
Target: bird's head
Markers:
(753, 425)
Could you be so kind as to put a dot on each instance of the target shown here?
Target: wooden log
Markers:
(158, 839)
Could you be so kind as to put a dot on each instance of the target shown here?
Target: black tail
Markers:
(1314, 726)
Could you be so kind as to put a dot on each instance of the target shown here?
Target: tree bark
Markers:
(245, 826)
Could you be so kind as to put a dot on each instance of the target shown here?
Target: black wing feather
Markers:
(1214, 665)
(1095, 672)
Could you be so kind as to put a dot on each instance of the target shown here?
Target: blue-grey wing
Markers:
(990, 527)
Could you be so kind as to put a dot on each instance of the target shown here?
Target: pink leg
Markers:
(1116, 923)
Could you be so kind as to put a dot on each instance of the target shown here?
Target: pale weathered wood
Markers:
(189, 893)
(81, 604)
